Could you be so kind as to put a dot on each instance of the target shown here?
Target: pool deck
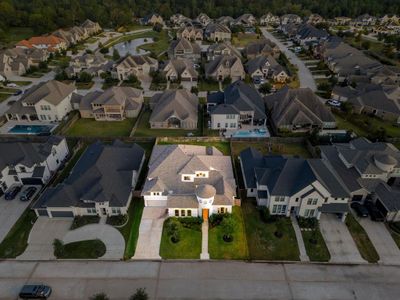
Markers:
(249, 132)
(10, 124)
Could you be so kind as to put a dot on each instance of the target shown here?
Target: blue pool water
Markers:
(31, 129)
(251, 133)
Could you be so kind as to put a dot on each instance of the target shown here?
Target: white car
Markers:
(334, 102)
(11, 85)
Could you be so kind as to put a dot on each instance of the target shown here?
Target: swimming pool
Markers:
(255, 133)
(32, 129)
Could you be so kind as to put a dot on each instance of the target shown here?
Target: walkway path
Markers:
(204, 241)
(111, 237)
(150, 231)
(304, 74)
(300, 241)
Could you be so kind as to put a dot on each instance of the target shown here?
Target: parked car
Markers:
(360, 209)
(374, 212)
(258, 80)
(37, 291)
(28, 193)
(12, 193)
(11, 85)
(334, 103)
(18, 92)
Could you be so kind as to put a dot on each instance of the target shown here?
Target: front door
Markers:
(205, 214)
(103, 211)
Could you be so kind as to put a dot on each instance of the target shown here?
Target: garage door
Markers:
(62, 214)
(32, 181)
(42, 212)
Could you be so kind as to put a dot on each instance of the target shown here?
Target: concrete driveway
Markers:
(150, 231)
(41, 237)
(339, 240)
(111, 237)
(383, 242)
(305, 76)
(10, 211)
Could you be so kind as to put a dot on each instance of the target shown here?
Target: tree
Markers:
(265, 88)
(366, 45)
(104, 50)
(85, 77)
(157, 27)
(100, 296)
(139, 295)
(194, 90)
(116, 55)
(228, 227)
(60, 76)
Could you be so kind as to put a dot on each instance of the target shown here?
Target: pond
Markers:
(131, 47)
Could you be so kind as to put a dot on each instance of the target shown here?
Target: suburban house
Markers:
(47, 101)
(269, 19)
(387, 75)
(315, 19)
(180, 69)
(183, 48)
(16, 61)
(266, 67)
(91, 27)
(289, 185)
(113, 104)
(246, 20)
(190, 33)
(190, 181)
(101, 183)
(298, 110)
(364, 20)
(179, 20)
(290, 30)
(238, 106)
(225, 20)
(78, 33)
(217, 32)
(93, 64)
(50, 43)
(381, 101)
(308, 35)
(290, 18)
(152, 19)
(30, 163)
(174, 109)
(261, 47)
(134, 65)
(222, 49)
(368, 171)
(203, 19)
(342, 21)
(225, 66)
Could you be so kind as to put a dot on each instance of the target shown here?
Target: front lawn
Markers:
(80, 221)
(16, 241)
(313, 240)
(91, 127)
(188, 242)
(360, 237)
(261, 238)
(4, 97)
(211, 86)
(237, 248)
(89, 249)
(130, 231)
(143, 128)
(394, 229)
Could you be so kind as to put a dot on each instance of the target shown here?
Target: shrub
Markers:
(100, 296)
(60, 76)
(172, 226)
(104, 50)
(139, 295)
(116, 55)
(194, 90)
(58, 246)
(228, 228)
(215, 220)
(191, 222)
(265, 214)
(265, 88)
(85, 77)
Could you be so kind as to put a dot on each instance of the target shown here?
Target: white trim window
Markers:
(279, 209)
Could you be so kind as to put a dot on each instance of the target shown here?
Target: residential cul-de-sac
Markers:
(147, 154)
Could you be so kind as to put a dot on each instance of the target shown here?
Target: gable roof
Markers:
(221, 61)
(52, 91)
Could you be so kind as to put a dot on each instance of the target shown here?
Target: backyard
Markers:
(179, 241)
(242, 39)
(237, 248)
(261, 236)
(91, 127)
(364, 245)
(276, 148)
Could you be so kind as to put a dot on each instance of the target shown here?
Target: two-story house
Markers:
(266, 67)
(290, 185)
(225, 66)
(30, 163)
(101, 183)
(47, 101)
(50, 43)
(224, 48)
(183, 48)
(137, 65)
(217, 32)
(190, 181)
(190, 33)
(180, 69)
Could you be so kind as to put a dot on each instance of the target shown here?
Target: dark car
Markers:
(12, 193)
(28, 193)
(18, 92)
(37, 291)
(360, 209)
(374, 212)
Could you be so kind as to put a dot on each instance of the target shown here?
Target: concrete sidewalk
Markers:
(204, 240)
(299, 237)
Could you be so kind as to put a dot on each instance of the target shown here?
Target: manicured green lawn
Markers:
(315, 251)
(364, 245)
(91, 127)
(242, 39)
(207, 86)
(84, 250)
(394, 230)
(4, 97)
(224, 147)
(161, 42)
(341, 123)
(143, 128)
(84, 85)
(277, 148)
(237, 248)
(188, 247)
(262, 242)
(84, 220)
(16, 241)
(22, 83)
(130, 231)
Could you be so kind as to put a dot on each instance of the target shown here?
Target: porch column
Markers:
(343, 217)
(318, 215)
